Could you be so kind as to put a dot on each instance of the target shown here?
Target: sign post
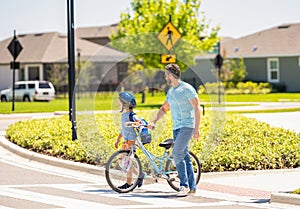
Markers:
(218, 64)
(168, 37)
(71, 62)
(14, 48)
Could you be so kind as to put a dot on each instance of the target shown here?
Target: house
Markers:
(98, 35)
(271, 55)
(42, 51)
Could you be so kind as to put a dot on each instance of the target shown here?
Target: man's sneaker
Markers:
(141, 181)
(183, 191)
(192, 191)
(125, 186)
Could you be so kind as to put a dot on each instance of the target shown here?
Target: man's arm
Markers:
(196, 105)
(162, 111)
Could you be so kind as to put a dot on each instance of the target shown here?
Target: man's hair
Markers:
(174, 70)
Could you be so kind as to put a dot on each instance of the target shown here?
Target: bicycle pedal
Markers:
(172, 179)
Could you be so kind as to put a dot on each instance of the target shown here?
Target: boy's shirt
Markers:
(128, 132)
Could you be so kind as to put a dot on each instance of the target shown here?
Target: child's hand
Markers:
(117, 145)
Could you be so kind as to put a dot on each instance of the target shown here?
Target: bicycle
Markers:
(124, 164)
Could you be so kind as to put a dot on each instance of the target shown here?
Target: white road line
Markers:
(153, 202)
(3, 207)
(150, 200)
(75, 203)
(51, 199)
(175, 205)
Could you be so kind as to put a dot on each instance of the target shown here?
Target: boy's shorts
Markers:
(127, 144)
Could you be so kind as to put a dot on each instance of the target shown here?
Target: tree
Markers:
(59, 76)
(238, 69)
(139, 27)
(233, 70)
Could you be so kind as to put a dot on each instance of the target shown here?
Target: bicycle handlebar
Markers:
(138, 125)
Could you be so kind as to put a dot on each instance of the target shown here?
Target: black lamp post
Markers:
(78, 71)
(71, 62)
(218, 64)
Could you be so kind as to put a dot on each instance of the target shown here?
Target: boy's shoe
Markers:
(125, 186)
(183, 191)
(141, 180)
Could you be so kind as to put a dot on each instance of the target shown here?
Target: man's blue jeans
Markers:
(181, 157)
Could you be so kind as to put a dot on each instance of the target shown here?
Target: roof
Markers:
(52, 48)
(283, 40)
(96, 32)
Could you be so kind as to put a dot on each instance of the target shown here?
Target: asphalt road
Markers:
(286, 120)
(26, 184)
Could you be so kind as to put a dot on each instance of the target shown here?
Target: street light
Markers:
(71, 62)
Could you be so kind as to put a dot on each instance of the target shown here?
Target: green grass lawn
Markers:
(108, 101)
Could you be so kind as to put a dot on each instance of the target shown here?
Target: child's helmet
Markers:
(127, 99)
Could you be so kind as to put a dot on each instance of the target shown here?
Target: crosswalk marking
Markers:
(3, 207)
(51, 199)
(66, 202)
(138, 199)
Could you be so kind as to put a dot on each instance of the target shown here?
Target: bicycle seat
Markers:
(166, 144)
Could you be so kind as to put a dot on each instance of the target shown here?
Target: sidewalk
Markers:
(261, 185)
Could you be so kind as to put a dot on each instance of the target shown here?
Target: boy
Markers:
(127, 103)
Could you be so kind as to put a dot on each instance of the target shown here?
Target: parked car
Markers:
(30, 91)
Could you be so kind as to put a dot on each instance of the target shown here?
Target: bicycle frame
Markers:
(161, 167)
(151, 157)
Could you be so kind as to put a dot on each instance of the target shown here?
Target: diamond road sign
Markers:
(169, 36)
(15, 47)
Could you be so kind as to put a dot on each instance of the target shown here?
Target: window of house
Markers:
(34, 72)
(273, 70)
(22, 74)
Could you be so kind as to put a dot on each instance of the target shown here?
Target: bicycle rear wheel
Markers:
(172, 173)
(122, 168)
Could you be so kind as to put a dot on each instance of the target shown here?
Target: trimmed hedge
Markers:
(242, 143)
(248, 87)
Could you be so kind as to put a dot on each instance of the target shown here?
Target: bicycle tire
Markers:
(118, 168)
(171, 171)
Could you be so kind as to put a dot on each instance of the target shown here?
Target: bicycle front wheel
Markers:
(172, 173)
(123, 171)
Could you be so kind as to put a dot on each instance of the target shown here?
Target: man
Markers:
(183, 101)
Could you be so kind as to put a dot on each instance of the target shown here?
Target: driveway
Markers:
(286, 120)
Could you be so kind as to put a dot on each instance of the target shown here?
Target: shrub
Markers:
(238, 88)
(243, 143)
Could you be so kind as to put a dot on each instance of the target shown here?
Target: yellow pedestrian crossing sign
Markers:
(167, 58)
(169, 36)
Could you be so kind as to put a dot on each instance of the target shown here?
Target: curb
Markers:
(30, 155)
(285, 198)
(50, 160)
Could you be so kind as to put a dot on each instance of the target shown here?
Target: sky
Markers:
(236, 18)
